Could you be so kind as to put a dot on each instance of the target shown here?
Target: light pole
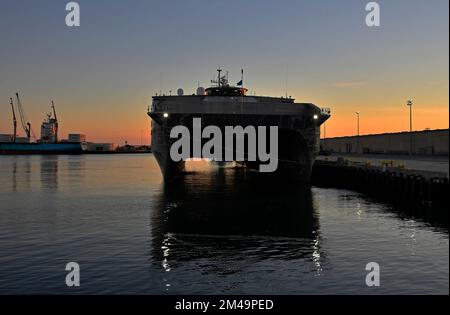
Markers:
(410, 105)
(357, 130)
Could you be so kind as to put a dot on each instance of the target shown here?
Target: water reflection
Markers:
(14, 174)
(21, 173)
(76, 170)
(49, 172)
(231, 214)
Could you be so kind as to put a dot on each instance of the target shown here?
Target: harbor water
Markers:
(213, 231)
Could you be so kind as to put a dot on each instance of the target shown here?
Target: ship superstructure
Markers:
(49, 128)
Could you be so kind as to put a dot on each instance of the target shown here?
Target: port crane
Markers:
(25, 124)
(14, 119)
(56, 122)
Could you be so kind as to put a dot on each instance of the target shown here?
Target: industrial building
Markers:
(100, 147)
(427, 142)
(76, 138)
(8, 138)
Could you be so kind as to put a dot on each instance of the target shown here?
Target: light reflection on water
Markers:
(212, 231)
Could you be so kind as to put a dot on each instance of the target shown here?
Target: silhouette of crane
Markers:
(14, 119)
(23, 120)
(56, 122)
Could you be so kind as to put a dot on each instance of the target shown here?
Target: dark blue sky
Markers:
(105, 71)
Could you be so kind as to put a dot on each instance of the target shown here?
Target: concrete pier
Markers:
(421, 194)
(434, 166)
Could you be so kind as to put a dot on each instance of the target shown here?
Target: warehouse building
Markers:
(427, 142)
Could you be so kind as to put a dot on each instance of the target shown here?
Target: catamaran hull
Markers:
(298, 140)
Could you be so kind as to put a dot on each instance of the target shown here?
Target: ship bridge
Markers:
(226, 91)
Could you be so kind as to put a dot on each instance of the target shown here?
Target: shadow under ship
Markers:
(224, 105)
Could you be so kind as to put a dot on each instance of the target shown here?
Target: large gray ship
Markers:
(224, 105)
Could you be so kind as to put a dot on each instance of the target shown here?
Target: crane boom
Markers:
(14, 119)
(21, 114)
(56, 121)
(23, 119)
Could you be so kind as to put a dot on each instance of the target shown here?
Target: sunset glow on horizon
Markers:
(103, 74)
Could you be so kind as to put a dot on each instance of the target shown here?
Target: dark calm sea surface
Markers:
(216, 231)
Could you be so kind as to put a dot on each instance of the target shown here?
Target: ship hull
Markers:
(298, 140)
(41, 148)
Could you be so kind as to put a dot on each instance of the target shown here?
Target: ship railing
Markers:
(325, 111)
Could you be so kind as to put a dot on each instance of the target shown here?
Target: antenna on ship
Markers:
(241, 83)
(218, 76)
(286, 87)
(160, 83)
